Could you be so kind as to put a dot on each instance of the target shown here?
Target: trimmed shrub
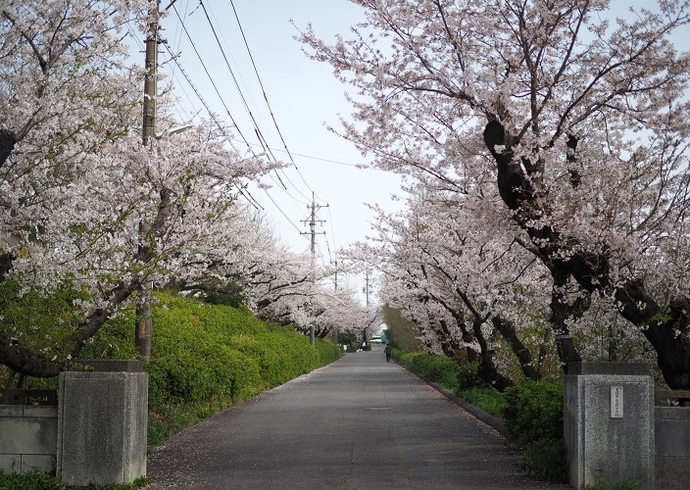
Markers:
(328, 352)
(439, 369)
(485, 397)
(545, 459)
(115, 340)
(468, 376)
(534, 414)
(534, 410)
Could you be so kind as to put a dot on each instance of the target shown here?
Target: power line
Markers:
(213, 83)
(246, 194)
(263, 92)
(279, 176)
(196, 91)
(262, 140)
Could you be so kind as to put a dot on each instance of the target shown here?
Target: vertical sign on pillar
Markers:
(616, 402)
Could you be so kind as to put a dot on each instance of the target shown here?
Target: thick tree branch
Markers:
(592, 269)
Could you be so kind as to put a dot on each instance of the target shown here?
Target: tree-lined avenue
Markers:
(358, 423)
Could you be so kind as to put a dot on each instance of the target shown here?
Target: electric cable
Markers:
(265, 96)
(213, 83)
(262, 141)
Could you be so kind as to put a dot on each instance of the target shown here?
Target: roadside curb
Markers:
(491, 420)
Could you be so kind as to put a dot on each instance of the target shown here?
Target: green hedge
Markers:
(207, 357)
(534, 414)
(439, 369)
(534, 410)
(213, 352)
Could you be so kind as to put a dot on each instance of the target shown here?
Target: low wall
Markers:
(672, 447)
(28, 438)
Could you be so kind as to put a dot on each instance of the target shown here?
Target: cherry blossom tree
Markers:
(62, 76)
(461, 282)
(286, 291)
(573, 117)
(77, 182)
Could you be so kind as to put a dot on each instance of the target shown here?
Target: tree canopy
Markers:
(543, 140)
(89, 214)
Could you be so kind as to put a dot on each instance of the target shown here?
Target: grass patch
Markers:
(624, 485)
(37, 481)
(545, 459)
(439, 369)
(487, 398)
(170, 418)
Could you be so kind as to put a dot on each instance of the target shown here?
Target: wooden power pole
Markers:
(144, 323)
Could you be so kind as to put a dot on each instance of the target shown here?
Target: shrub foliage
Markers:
(439, 369)
(534, 414)
(207, 357)
(534, 410)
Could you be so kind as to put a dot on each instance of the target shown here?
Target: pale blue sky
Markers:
(302, 94)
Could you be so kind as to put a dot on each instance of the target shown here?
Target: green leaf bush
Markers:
(439, 369)
(206, 357)
(468, 376)
(534, 410)
(214, 352)
(534, 414)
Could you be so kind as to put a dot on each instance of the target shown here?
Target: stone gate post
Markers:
(609, 424)
(102, 424)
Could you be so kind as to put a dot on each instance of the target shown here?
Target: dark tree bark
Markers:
(27, 361)
(561, 311)
(449, 345)
(591, 269)
(507, 330)
(467, 336)
(487, 368)
(7, 142)
(5, 265)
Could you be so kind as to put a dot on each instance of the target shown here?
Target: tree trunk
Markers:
(667, 331)
(143, 323)
(23, 360)
(507, 330)
(487, 368)
(448, 344)
(561, 311)
(7, 142)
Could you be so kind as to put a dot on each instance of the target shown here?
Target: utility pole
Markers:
(143, 322)
(365, 289)
(150, 83)
(336, 275)
(312, 231)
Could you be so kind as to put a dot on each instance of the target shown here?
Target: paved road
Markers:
(359, 423)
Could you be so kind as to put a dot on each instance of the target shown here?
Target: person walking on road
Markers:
(388, 351)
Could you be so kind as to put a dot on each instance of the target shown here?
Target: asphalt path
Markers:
(359, 423)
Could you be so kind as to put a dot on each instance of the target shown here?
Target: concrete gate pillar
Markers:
(102, 424)
(609, 424)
